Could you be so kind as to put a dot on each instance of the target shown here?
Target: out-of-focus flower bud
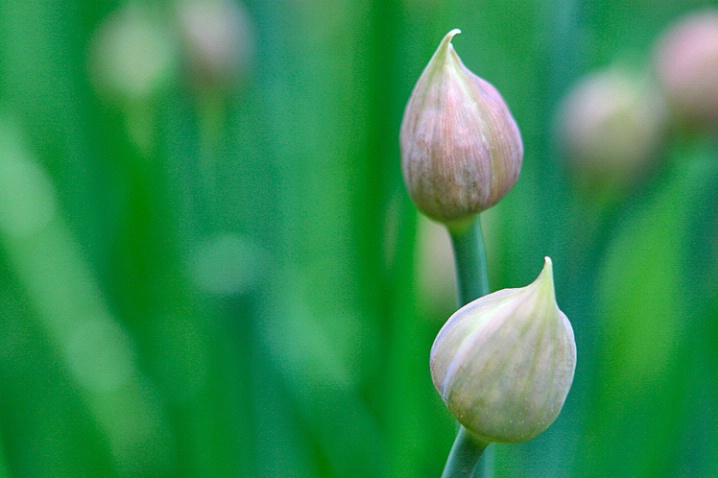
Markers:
(461, 149)
(133, 55)
(218, 40)
(610, 126)
(687, 67)
(504, 363)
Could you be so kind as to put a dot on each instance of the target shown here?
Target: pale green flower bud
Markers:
(504, 363)
(132, 54)
(461, 148)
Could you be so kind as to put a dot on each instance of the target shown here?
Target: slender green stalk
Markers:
(470, 257)
(472, 279)
(464, 457)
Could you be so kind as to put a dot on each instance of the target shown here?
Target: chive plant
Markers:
(206, 261)
(504, 362)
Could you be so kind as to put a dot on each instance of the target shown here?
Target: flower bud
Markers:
(461, 150)
(218, 41)
(504, 363)
(687, 67)
(133, 54)
(610, 127)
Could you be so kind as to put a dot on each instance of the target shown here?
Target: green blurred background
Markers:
(209, 266)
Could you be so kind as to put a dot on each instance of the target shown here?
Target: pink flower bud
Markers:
(461, 148)
(610, 127)
(687, 67)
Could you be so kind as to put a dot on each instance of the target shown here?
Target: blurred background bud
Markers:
(132, 54)
(610, 127)
(461, 148)
(687, 68)
(218, 41)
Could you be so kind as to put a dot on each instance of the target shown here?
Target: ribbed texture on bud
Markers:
(504, 363)
(461, 148)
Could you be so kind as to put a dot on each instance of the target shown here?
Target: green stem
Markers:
(464, 457)
(470, 257)
(472, 279)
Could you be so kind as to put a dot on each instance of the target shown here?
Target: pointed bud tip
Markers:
(547, 266)
(544, 281)
(452, 34)
(445, 44)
